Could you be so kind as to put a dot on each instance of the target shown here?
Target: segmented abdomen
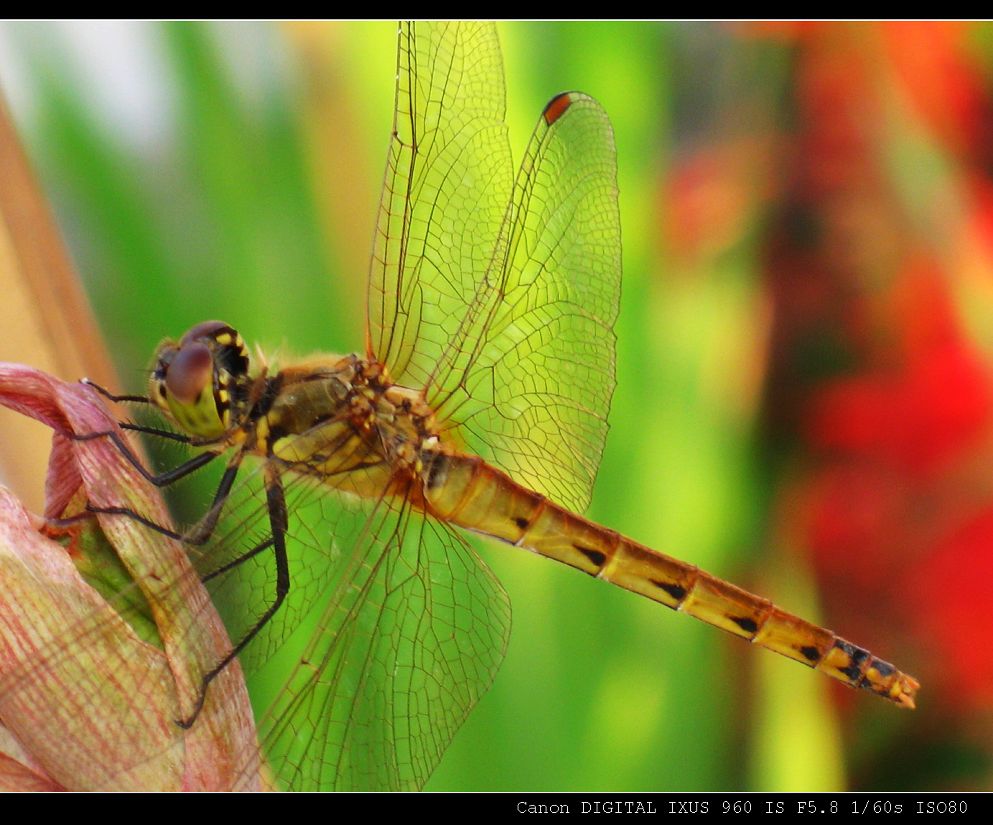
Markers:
(466, 491)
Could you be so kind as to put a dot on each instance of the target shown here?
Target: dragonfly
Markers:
(478, 405)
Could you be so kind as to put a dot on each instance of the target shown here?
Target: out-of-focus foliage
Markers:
(804, 352)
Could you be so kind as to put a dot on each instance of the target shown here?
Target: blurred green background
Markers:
(803, 350)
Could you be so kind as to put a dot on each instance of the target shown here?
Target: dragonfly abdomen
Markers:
(467, 491)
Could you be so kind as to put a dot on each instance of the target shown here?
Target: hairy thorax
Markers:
(343, 421)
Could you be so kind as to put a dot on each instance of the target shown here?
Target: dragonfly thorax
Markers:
(330, 416)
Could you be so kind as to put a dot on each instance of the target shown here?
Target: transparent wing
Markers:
(447, 184)
(530, 376)
(409, 640)
(497, 299)
(392, 628)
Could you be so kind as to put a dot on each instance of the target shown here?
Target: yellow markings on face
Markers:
(200, 417)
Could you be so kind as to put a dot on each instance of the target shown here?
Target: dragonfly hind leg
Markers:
(278, 523)
(205, 528)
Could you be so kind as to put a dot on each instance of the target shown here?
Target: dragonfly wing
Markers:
(410, 637)
(498, 298)
(391, 631)
(448, 181)
(530, 376)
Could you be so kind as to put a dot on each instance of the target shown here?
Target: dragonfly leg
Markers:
(205, 529)
(161, 480)
(231, 565)
(278, 523)
(138, 428)
(157, 432)
(137, 399)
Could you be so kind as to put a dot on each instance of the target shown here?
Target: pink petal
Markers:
(93, 703)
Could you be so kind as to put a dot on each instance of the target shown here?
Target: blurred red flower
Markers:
(874, 376)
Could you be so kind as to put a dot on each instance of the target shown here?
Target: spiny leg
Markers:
(205, 528)
(278, 520)
(202, 533)
(278, 524)
(158, 432)
(138, 428)
(160, 480)
(117, 399)
(163, 479)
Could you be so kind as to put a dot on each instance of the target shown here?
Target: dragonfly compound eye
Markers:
(190, 373)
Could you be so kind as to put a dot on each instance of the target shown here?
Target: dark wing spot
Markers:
(521, 522)
(811, 653)
(556, 107)
(745, 623)
(594, 556)
(676, 591)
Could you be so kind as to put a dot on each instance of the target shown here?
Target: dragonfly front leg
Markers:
(203, 531)
(117, 399)
(160, 480)
(163, 479)
(182, 438)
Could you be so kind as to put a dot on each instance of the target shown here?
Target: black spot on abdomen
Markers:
(857, 655)
(883, 668)
(678, 592)
(745, 623)
(594, 556)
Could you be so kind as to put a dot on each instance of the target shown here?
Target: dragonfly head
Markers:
(202, 382)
